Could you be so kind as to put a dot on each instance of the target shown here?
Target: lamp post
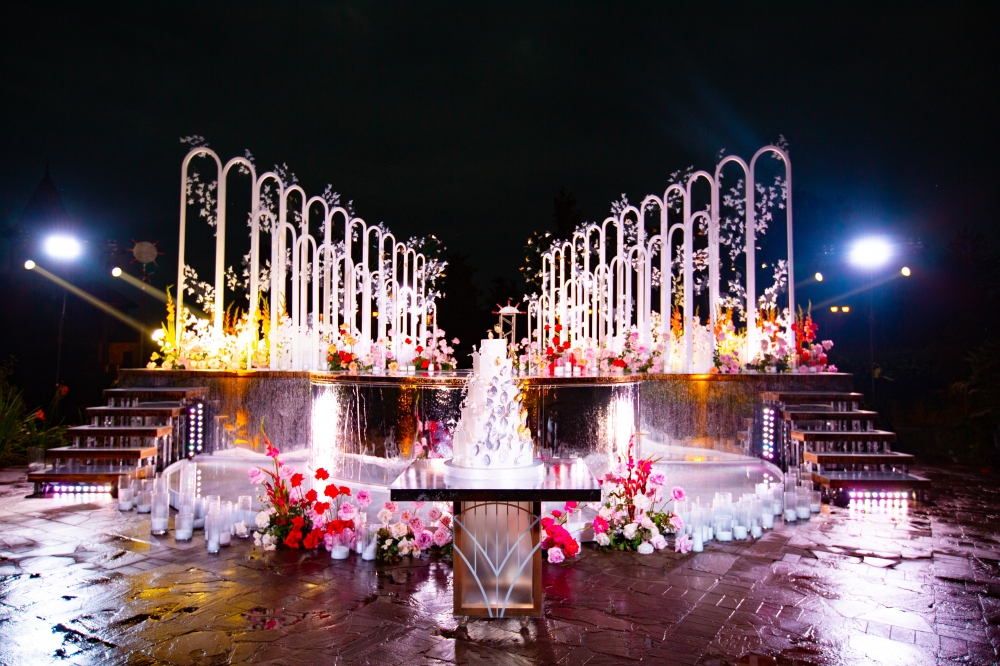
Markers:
(870, 254)
(62, 248)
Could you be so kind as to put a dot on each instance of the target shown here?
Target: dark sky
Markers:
(466, 119)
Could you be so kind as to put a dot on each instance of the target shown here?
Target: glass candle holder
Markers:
(740, 527)
(777, 491)
(244, 516)
(225, 523)
(815, 501)
(370, 540)
(340, 547)
(360, 523)
(184, 526)
(200, 511)
(212, 503)
(159, 519)
(802, 506)
(212, 521)
(791, 501)
(124, 493)
(145, 503)
(724, 527)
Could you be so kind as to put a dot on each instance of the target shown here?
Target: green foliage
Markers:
(21, 428)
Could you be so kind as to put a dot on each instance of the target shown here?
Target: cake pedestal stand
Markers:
(497, 561)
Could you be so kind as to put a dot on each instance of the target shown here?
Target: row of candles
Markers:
(749, 516)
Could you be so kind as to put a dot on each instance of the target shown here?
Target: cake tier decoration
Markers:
(492, 434)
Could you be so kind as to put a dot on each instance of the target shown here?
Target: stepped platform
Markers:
(838, 459)
(101, 453)
(99, 431)
(837, 480)
(810, 397)
(142, 410)
(846, 436)
(141, 393)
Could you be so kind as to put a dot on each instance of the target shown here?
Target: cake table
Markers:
(497, 561)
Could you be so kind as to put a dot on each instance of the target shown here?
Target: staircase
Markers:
(832, 438)
(140, 431)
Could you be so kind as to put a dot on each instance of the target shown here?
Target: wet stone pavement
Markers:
(81, 583)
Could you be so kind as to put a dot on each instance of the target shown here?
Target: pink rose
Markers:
(658, 542)
(286, 472)
(418, 505)
(391, 507)
(347, 511)
(657, 479)
(424, 540)
(442, 537)
(416, 525)
(600, 525)
(556, 555)
(364, 498)
(678, 494)
(677, 522)
(682, 544)
(406, 516)
(256, 475)
(445, 520)
(434, 514)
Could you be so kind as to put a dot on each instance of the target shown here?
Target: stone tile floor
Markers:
(81, 583)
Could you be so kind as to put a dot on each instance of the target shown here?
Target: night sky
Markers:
(466, 120)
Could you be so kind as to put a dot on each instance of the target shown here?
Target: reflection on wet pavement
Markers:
(81, 583)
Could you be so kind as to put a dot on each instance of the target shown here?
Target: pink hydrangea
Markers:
(555, 555)
(442, 536)
(678, 494)
(391, 507)
(364, 498)
(424, 540)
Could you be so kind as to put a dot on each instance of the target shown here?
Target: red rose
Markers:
(408, 341)
(424, 364)
(293, 539)
(419, 349)
(296, 480)
(312, 539)
(558, 327)
(618, 363)
(321, 507)
(555, 340)
(566, 345)
(311, 495)
(331, 491)
(321, 474)
(298, 522)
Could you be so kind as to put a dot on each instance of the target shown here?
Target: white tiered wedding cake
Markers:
(492, 438)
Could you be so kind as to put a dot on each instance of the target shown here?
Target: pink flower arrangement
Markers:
(364, 498)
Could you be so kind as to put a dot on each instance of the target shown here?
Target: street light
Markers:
(60, 247)
(870, 254)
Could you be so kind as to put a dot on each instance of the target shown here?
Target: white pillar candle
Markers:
(767, 520)
(739, 532)
(756, 531)
(698, 545)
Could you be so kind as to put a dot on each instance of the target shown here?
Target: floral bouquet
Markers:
(558, 542)
(340, 354)
(728, 344)
(628, 517)
(811, 356)
(409, 534)
(441, 355)
(292, 516)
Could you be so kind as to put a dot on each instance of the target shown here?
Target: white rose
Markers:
(645, 548)
(648, 523)
(659, 543)
(654, 531)
(399, 529)
(641, 502)
(605, 512)
(263, 519)
(384, 516)
(630, 530)
(603, 539)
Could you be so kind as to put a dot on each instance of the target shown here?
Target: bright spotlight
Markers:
(158, 334)
(116, 272)
(29, 264)
(819, 277)
(870, 252)
(63, 247)
(905, 271)
(834, 308)
(846, 308)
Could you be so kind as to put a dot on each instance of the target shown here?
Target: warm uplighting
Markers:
(29, 264)
(63, 247)
(870, 252)
(819, 277)
(158, 334)
(834, 308)
(846, 308)
(116, 272)
(905, 271)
